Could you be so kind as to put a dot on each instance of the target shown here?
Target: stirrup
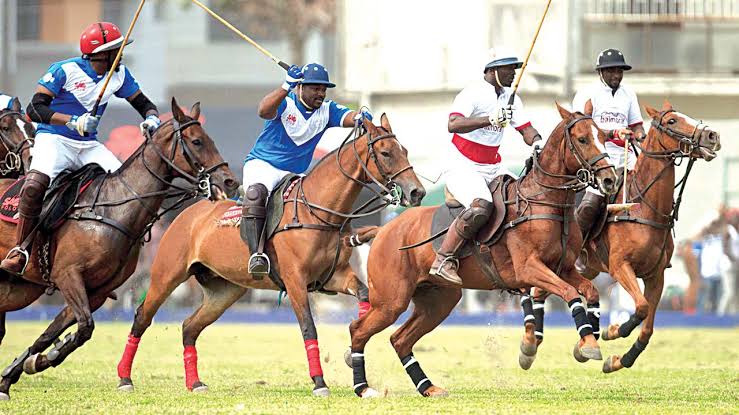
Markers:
(438, 270)
(22, 252)
(259, 255)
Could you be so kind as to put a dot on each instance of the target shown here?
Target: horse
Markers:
(96, 249)
(540, 236)
(638, 243)
(302, 250)
(16, 140)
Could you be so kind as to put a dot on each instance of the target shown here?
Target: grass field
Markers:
(262, 369)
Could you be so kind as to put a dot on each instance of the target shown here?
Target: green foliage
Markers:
(262, 369)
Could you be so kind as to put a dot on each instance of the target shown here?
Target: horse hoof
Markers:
(525, 361)
(348, 357)
(528, 349)
(576, 353)
(609, 365)
(322, 392)
(199, 387)
(605, 335)
(29, 365)
(435, 392)
(125, 385)
(592, 353)
(370, 393)
(4, 396)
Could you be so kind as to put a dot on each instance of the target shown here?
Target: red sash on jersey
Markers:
(479, 153)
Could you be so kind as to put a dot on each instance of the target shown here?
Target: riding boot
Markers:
(463, 229)
(29, 209)
(589, 210)
(253, 216)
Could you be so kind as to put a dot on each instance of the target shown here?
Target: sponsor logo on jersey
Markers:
(612, 117)
(291, 118)
(80, 86)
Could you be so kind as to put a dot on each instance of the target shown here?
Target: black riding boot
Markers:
(590, 208)
(463, 229)
(29, 209)
(253, 215)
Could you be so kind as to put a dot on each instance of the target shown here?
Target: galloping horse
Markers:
(638, 243)
(96, 249)
(540, 235)
(16, 140)
(303, 249)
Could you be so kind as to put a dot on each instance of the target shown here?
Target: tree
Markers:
(293, 19)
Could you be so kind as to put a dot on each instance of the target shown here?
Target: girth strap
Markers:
(626, 218)
(88, 215)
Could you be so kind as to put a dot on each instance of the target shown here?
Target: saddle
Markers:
(59, 200)
(486, 237)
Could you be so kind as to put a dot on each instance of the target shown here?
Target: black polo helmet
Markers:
(611, 58)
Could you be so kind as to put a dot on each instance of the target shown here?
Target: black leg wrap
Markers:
(539, 319)
(594, 318)
(57, 354)
(363, 292)
(625, 329)
(528, 309)
(630, 357)
(17, 363)
(581, 319)
(360, 378)
(413, 368)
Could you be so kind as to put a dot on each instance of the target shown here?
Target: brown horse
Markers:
(195, 245)
(541, 236)
(16, 140)
(638, 243)
(96, 249)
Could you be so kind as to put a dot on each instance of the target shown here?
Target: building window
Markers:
(29, 17)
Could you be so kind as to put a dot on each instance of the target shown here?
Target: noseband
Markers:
(13, 161)
(687, 143)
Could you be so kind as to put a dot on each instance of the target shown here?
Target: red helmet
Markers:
(101, 37)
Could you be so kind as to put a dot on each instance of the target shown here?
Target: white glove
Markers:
(502, 117)
(150, 124)
(85, 123)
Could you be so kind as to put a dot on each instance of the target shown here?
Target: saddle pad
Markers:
(232, 216)
(9, 201)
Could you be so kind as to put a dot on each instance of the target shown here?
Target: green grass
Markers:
(262, 369)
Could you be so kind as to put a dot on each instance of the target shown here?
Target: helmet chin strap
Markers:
(500, 84)
(300, 97)
(600, 75)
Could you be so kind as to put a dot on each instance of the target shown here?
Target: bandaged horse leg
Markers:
(253, 216)
(218, 295)
(29, 209)
(625, 275)
(431, 307)
(463, 229)
(528, 343)
(653, 292)
(592, 297)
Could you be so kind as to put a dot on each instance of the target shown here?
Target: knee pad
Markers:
(474, 218)
(255, 200)
(33, 191)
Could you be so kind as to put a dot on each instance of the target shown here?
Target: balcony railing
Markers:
(661, 11)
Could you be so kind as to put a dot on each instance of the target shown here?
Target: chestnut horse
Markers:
(541, 236)
(16, 139)
(97, 248)
(195, 245)
(638, 243)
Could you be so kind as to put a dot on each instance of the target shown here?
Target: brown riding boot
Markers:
(253, 217)
(29, 209)
(463, 229)
(590, 208)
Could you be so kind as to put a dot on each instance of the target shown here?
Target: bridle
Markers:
(13, 161)
(687, 143)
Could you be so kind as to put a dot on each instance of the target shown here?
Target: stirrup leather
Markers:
(259, 255)
(439, 270)
(22, 252)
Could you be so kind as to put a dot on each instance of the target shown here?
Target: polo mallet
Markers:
(276, 60)
(117, 59)
(528, 55)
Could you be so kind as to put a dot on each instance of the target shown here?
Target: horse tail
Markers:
(361, 236)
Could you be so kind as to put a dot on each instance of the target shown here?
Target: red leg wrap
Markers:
(314, 358)
(124, 366)
(191, 366)
(364, 307)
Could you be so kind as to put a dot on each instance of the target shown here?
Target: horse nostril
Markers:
(608, 182)
(231, 184)
(417, 195)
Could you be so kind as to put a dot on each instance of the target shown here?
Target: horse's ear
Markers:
(369, 126)
(653, 113)
(385, 122)
(15, 105)
(563, 112)
(195, 111)
(177, 111)
(589, 108)
(666, 106)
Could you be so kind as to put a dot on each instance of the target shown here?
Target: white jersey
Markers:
(610, 111)
(481, 100)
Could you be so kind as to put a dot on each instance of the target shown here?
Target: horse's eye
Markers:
(671, 121)
(582, 140)
(384, 153)
(196, 142)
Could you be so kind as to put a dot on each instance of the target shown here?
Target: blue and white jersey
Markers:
(287, 141)
(76, 86)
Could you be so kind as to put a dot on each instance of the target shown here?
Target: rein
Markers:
(13, 161)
